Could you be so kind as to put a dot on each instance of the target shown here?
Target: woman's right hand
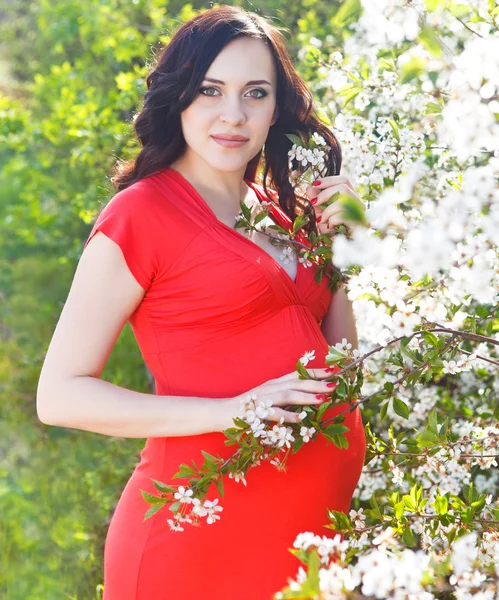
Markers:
(288, 390)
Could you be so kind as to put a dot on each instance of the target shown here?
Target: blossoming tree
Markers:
(413, 95)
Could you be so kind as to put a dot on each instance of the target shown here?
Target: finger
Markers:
(310, 386)
(312, 192)
(330, 211)
(327, 193)
(321, 373)
(289, 417)
(331, 221)
(299, 397)
(294, 374)
(330, 180)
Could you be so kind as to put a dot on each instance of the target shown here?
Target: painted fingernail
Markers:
(332, 384)
(314, 201)
(320, 396)
(329, 370)
(318, 182)
(318, 220)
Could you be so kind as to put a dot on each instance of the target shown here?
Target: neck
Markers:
(222, 189)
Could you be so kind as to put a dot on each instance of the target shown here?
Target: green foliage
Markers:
(76, 80)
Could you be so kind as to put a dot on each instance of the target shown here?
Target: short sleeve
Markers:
(126, 219)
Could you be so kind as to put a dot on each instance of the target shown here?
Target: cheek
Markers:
(193, 116)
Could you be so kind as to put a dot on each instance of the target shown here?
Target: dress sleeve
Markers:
(127, 220)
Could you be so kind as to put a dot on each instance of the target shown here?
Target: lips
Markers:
(230, 138)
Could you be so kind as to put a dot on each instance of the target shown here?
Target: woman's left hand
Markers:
(318, 195)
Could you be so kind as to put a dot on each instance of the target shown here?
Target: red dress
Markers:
(219, 317)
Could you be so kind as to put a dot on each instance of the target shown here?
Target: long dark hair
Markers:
(173, 85)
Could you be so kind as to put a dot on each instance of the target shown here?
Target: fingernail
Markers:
(332, 384)
(314, 201)
(318, 220)
(320, 396)
(317, 182)
(329, 370)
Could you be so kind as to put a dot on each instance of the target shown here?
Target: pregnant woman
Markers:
(217, 314)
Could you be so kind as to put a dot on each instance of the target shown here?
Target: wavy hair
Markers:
(173, 85)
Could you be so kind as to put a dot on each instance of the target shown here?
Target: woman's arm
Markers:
(339, 321)
(70, 393)
(93, 404)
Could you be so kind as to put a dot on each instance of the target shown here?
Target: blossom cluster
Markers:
(278, 435)
(419, 134)
(304, 159)
(208, 509)
(388, 571)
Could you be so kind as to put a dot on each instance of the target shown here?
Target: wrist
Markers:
(229, 410)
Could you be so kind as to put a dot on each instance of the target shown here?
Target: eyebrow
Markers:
(254, 82)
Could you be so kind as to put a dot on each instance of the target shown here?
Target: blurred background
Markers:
(71, 79)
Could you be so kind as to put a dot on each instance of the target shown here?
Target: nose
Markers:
(232, 111)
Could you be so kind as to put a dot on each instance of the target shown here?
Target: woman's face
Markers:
(234, 107)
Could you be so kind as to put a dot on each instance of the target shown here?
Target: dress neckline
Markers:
(181, 179)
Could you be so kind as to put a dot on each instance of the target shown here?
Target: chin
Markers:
(228, 164)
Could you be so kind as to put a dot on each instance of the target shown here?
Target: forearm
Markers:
(96, 405)
(339, 322)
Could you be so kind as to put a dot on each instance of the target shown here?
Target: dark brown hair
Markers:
(173, 85)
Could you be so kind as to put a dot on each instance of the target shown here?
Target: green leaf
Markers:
(432, 421)
(432, 108)
(441, 505)
(220, 486)
(334, 429)
(152, 511)
(347, 11)
(399, 509)
(412, 69)
(163, 487)
(210, 461)
(401, 408)
(340, 391)
(395, 129)
(294, 139)
(297, 444)
(467, 515)
(245, 209)
(313, 573)
(304, 374)
(430, 338)
(322, 409)
(340, 441)
(339, 520)
(334, 355)
(299, 222)
(376, 512)
(241, 423)
(409, 502)
(352, 209)
(430, 41)
(151, 499)
(184, 471)
(408, 537)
